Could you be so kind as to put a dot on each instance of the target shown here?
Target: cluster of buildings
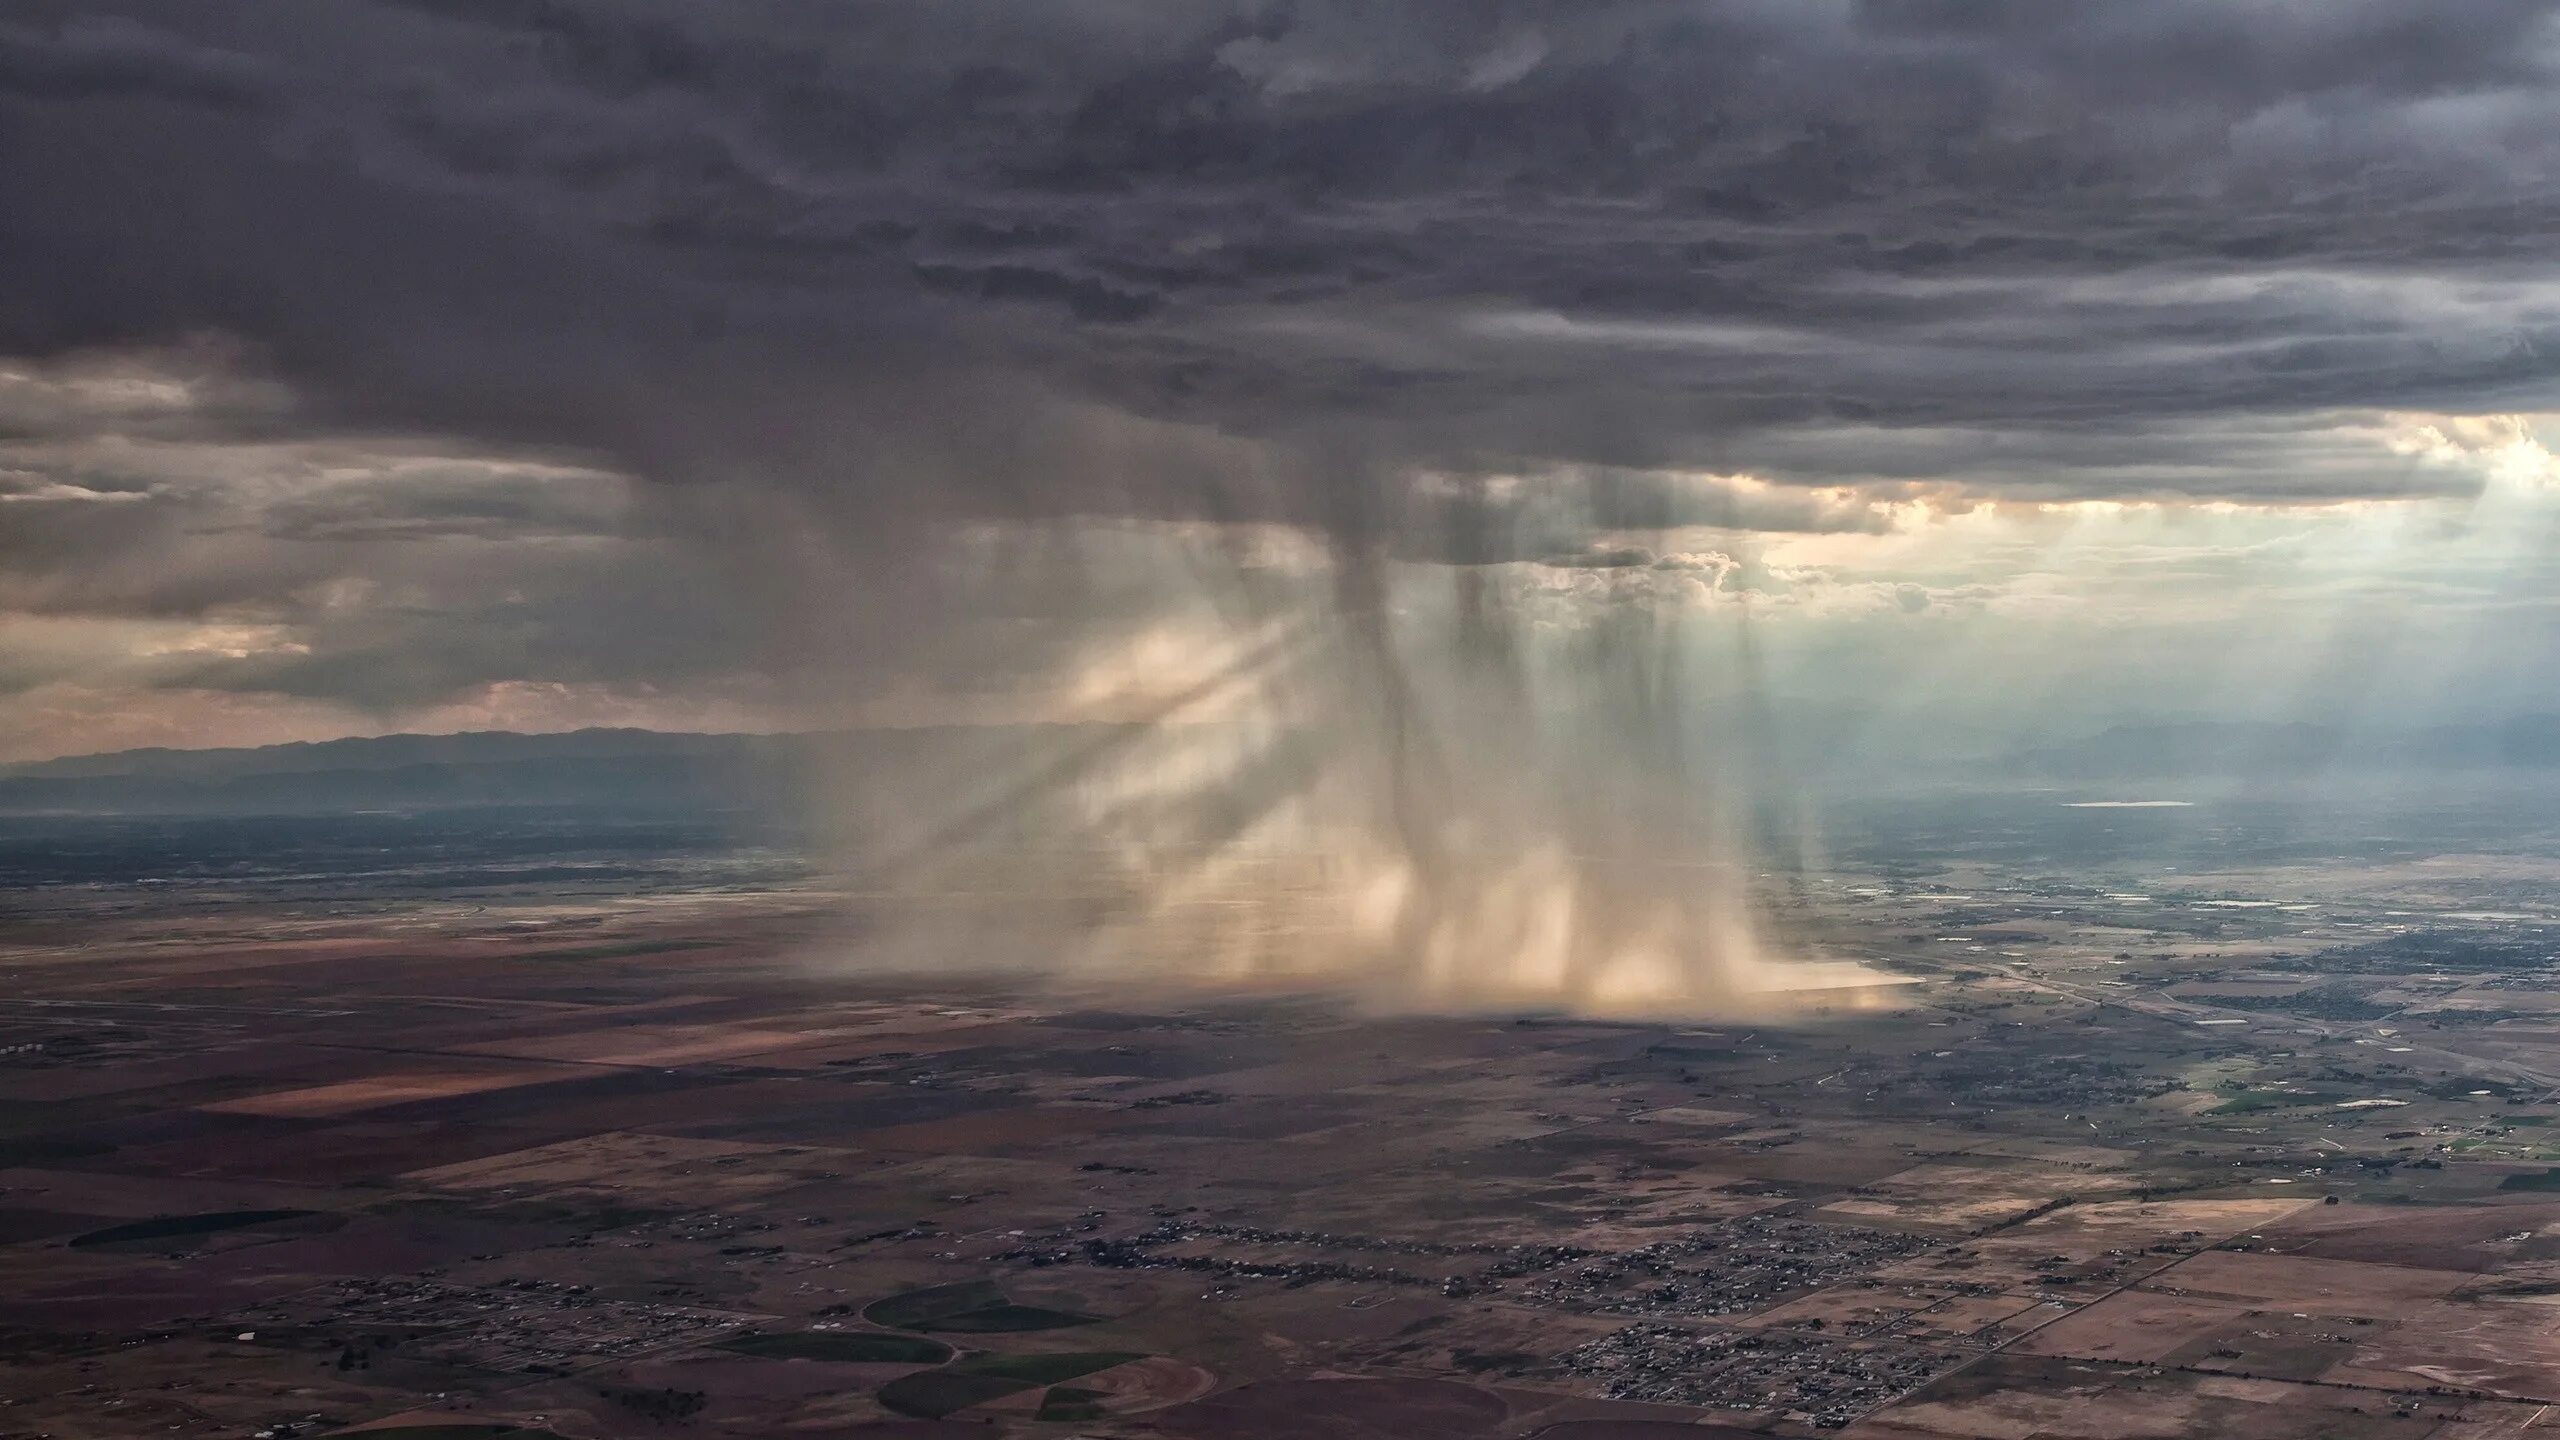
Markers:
(535, 1326)
(1180, 1243)
(1732, 1268)
(1825, 1383)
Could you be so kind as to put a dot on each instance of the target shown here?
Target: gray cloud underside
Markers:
(638, 343)
(1023, 257)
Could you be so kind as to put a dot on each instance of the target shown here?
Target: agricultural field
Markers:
(674, 1165)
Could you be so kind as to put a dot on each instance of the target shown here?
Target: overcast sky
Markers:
(1982, 364)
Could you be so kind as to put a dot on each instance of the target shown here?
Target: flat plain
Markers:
(666, 1159)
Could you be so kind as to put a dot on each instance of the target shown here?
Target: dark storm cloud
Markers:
(112, 58)
(1455, 281)
(465, 622)
(794, 235)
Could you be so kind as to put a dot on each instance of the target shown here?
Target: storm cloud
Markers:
(1776, 238)
(751, 317)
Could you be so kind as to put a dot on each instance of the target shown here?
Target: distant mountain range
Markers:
(382, 752)
(647, 770)
(623, 769)
(632, 770)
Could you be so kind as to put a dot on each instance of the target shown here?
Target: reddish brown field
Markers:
(640, 1166)
(1150, 1384)
(2507, 1348)
(376, 1091)
(553, 1172)
(649, 1044)
(2032, 1399)
(2301, 1283)
(2136, 1326)
(994, 1131)
(1344, 1409)
(2471, 1238)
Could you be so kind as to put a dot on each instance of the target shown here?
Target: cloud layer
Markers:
(642, 348)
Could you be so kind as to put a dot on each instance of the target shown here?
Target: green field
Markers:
(862, 1348)
(1007, 1320)
(1046, 1369)
(171, 1226)
(1069, 1403)
(932, 1394)
(972, 1307)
